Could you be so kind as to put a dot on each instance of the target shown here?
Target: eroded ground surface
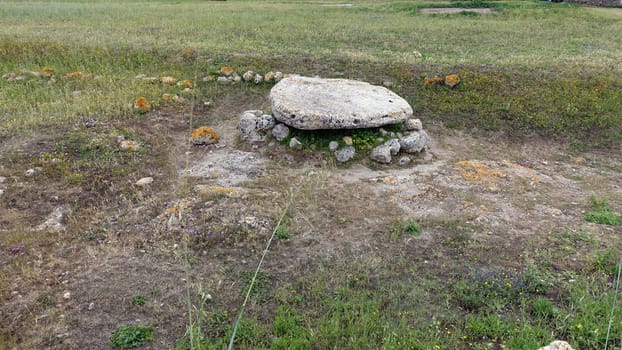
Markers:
(480, 200)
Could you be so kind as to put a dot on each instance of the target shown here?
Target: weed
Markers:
(412, 228)
(282, 233)
(138, 300)
(126, 336)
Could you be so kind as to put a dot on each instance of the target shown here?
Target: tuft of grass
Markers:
(602, 213)
(131, 336)
(412, 228)
(282, 233)
(138, 300)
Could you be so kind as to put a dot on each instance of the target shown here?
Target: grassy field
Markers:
(541, 90)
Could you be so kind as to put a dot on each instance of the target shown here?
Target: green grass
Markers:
(532, 68)
(324, 310)
(602, 213)
(126, 337)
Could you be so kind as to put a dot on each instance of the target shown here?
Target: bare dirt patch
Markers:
(478, 198)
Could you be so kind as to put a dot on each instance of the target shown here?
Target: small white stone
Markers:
(2, 179)
(295, 144)
(1, 192)
(144, 181)
(91, 306)
(223, 80)
(333, 145)
(67, 295)
(258, 79)
(30, 172)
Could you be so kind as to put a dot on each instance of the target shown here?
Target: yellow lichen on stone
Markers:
(76, 74)
(218, 191)
(226, 70)
(475, 171)
(185, 83)
(452, 80)
(204, 135)
(433, 80)
(142, 105)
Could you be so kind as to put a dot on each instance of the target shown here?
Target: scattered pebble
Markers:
(1, 192)
(67, 295)
(91, 306)
(2, 179)
(333, 145)
(30, 172)
(348, 140)
(145, 181)
(404, 160)
(129, 145)
(295, 144)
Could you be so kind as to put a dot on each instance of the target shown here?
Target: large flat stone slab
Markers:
(316, 103)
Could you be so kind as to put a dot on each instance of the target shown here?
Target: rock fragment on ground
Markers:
(294, 143)
(204, 135)
(316, 103)
(416, 142)
(53, 221)
(333, 145)
(280, 132)
(452, 80)
(557, 345)
(145, 181)
(345, 154)
(381, 154)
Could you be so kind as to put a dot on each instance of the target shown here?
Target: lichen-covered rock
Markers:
(204, 135)
(248, 76)
(381, 154)
(413, 124)
(258, 79)
(333, 145)
(269, 77)
(557, 345)
(345, 154)
(316, 103)
(433, 80)
(294, 143)
(416, 142)
(280, 132)
(226, 71)
(452, 80)
(142, 105)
